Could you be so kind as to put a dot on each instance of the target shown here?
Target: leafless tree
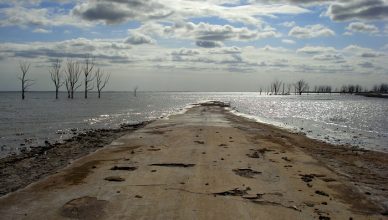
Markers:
(73, 71)
(289, 86)
(275, 86)
(101, 81)
(88, 76)
(56, 77)
(301, 86)
(26, 83)
(135, 91)
(67, 84)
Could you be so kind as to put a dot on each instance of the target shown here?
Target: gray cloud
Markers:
(185, 52)
(362, 27)
(208, 44)
(336, 58)
(118, 11)
(371, 54)
(76, 48)
(366, 65)
(358, 9)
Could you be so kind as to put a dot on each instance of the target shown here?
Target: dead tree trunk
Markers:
(56, 77)
(276, 86)
(26, 83)
(101, 81)
(301, 86)
(135, 91)
(67, 88)
(73, 72)
(87, 70)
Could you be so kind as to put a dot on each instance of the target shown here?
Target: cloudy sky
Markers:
(199, 45)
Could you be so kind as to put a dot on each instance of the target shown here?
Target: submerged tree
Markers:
(275, 86)
(73, 71)
(135, 91)
(56, 77)
(101, 81)
(88, 76)
(301, 86)
(26, 83)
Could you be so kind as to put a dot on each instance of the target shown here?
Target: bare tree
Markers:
(67, 84)
(289, 86)
(135, 91)
(87, 70)
(56, 77)
(101, 81)
(73, 71)
(275, 86)
(26, 83)
(301, 86)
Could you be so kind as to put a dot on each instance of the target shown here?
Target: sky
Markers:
(198, 45)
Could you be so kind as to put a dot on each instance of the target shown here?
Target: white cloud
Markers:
(288, 41)
(206, 32)
(37, 17)
(336, 58)
(311, 50)
(362, 51)
(311, 31)
(289, 24)
(42, 31)
(138, 38)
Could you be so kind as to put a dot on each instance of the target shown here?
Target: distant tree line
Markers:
(382, 88)
(69, 75)
(278, 87)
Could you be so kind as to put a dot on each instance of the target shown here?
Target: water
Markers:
(340, 119)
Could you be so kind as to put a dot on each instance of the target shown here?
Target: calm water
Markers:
(338, 119)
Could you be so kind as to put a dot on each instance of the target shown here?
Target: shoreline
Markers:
(20, 170)
(355, 177)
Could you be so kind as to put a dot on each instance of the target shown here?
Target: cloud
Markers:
(371, 54)
(362, 27)
(362, 51)
(185, 52)
(205, 32)
(37, 17)
(138, 38)
(336, 58)
(119, 11)
(288, 24)
(367, 65)
(208, 44)
(42, 31)
(75, 48)
(358, 10)
(311, 31)
(311, 50)
(288, 41)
